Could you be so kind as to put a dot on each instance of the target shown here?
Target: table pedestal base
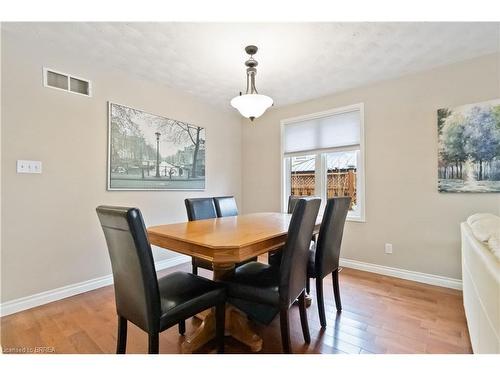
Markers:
(237, 326)
(236, 323)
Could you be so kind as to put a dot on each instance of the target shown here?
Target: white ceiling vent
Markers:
(63, 81)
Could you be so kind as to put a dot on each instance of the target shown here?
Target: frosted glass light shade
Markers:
(251, 105)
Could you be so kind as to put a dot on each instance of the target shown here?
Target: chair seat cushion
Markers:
(257, 282)
(312, 272)
(258, 312)
(183, 295)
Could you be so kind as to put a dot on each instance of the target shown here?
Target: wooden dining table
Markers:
(224, 242)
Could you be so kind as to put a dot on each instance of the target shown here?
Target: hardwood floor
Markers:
(380, 315)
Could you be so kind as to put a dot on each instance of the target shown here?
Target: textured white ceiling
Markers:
(296, 61)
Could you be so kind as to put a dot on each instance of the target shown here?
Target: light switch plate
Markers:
(388, 248)
(29, 166)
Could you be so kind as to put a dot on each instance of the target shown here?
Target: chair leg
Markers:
(320, 301)
(285, 331)
(154, 344)
(269, 257)
(303, 317)
(336, 289)
(182, 327)
(194, 267)
(121, 340)
(308, 285)
(220, 312)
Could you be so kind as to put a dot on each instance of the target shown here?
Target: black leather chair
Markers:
(292, 201)
(209, 208)
(200, 209)
(324, 257)
(261, 290)
(150, 303)
(225, 206)
(274, 257)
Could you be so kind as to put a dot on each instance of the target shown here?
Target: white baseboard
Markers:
(24, 303)
(171, 262)
(420, 277)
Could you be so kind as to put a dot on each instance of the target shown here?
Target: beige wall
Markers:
(51, 235)
(403, 206)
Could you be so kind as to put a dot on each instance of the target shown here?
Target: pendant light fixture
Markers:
(251, 104)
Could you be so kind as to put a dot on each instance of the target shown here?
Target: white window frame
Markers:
(360, 215)
(68, 76)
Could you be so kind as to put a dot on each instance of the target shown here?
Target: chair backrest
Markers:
(200, 208)
(226, 206)
(292, 201)
(293, 268)
(330, 236)
(135, 281)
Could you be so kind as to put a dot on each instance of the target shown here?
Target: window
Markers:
(303, 175)
(66, 82)
(323, 155)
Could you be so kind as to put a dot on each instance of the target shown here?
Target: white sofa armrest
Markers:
(481, 293)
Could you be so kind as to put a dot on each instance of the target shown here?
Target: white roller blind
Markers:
(336, 130)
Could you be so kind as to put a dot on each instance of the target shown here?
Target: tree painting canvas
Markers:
(150, 152)
(469, 148)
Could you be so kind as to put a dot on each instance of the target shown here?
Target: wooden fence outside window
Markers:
(339, 184)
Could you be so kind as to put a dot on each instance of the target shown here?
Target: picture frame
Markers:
(153, 152)
(469, 148)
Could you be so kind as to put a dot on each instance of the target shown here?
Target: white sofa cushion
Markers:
(480, 216)
(486, 228)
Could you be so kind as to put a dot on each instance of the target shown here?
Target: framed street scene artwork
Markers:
(150, 152)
